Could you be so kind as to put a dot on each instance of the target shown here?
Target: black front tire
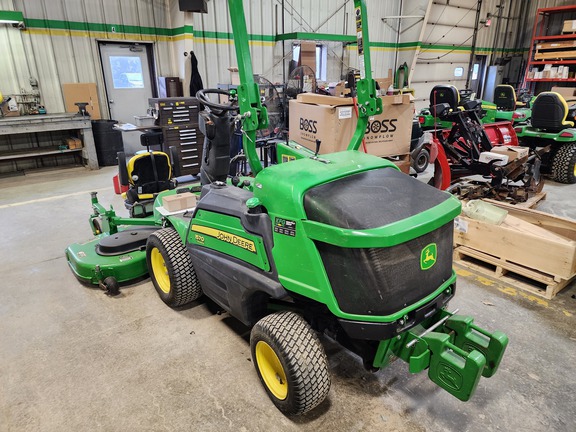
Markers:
(564, 164)
(290, 361)
(171, 269)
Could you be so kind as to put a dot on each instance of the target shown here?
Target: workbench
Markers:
(38, 124)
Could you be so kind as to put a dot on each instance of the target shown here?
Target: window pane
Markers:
(126, 72)
(475, 71)
(459, 71)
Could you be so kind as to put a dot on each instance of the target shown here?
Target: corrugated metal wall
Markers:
(60, 44)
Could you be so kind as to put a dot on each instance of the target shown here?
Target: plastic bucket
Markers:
(485, 212)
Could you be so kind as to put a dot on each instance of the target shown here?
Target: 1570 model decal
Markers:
(226, 237)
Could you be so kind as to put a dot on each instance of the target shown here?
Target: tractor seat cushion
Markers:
(549, 112)
(445, 94)
(505, 97)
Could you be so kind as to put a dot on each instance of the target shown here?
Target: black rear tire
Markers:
(564, 164)
(171, 269)
(290, 362)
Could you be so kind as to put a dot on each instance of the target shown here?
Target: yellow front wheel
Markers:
(271, 370)
(170, 268)
(159, 270)
(290, 362)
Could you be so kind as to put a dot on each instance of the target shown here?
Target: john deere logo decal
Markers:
(428, 256)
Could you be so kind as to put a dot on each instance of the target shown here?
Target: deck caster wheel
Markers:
(110, 285)
(96, 226)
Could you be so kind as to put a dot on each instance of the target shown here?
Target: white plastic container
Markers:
(485, 212)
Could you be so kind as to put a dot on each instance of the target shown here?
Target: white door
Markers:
(128, 85)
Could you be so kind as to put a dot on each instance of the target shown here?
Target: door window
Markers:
(126, 72)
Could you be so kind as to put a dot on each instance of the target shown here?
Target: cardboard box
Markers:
(332, 120)
(10, 108)
(234, 76)
(568, 93)
(386, 82)
(82, 92)
(512, 152)
(569, 26)
(339, 89)
(177, 202)
(308, 55)
(73, 143)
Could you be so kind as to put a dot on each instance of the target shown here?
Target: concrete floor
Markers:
(73, 359)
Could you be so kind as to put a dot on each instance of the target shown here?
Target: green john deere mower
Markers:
(342, 244)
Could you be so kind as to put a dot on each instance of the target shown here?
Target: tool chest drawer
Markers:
(188, 142)
(175, 111)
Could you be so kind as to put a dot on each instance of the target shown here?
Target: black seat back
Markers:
(152, 138)
(441, 94)
(549, 111)
(505, 97)
(150, 172)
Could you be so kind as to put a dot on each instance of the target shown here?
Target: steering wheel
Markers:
(202, 96)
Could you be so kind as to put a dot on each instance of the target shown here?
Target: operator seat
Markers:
(505, 97)
(441, 94)
(146, 174)
(549, 112)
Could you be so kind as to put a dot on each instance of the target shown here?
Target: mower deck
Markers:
(121, 255)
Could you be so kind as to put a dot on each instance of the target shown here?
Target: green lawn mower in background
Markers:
(341, 244)
(553, 124)
(506, 107)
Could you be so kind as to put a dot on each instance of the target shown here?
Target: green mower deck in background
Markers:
(341, 244)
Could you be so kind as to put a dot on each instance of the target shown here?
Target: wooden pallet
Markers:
(530, 203)
(509, 273)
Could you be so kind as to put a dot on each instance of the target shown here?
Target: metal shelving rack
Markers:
(547, 29)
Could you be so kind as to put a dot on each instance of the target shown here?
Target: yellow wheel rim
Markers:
(160, 271)
(271, 370)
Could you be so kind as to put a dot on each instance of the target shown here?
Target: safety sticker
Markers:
(227, 237)
(288, 158)
(285, 227)
(345, 113)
